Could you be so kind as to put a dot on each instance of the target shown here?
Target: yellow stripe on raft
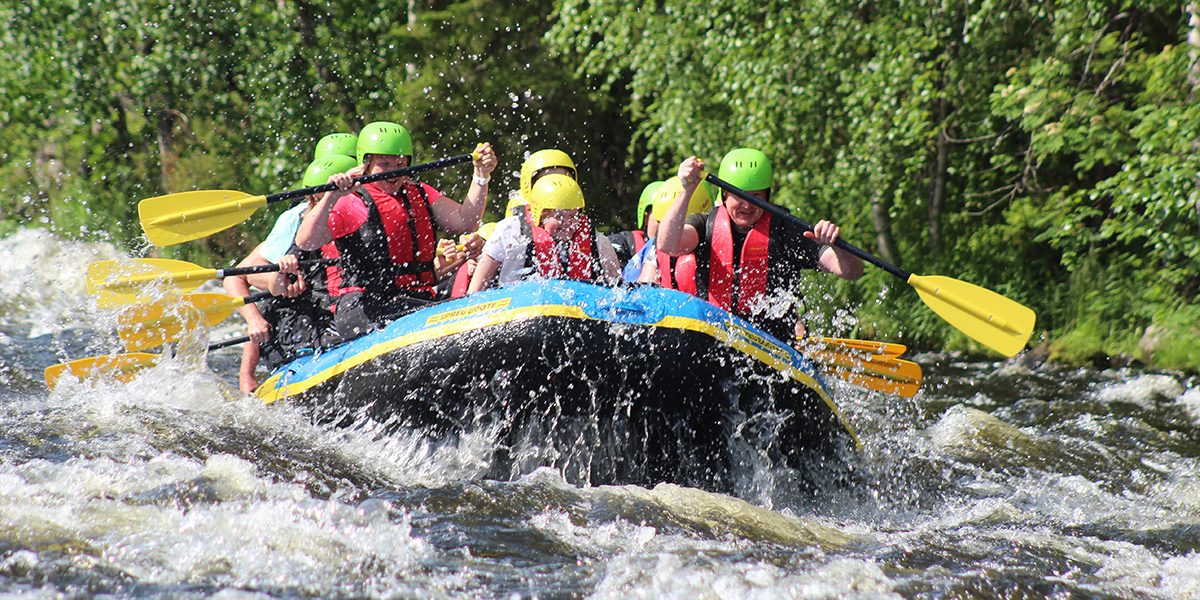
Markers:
(740, 338)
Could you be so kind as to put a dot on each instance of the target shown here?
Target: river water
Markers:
(997, 480)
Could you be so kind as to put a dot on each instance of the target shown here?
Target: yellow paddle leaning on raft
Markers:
(121, 367)
(156, 323)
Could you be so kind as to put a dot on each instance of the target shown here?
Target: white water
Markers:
(996, 480)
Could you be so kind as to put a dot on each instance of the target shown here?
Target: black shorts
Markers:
(296, 324)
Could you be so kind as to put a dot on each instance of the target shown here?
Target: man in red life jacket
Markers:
(385, 231)
(747, 262)
(561, 244)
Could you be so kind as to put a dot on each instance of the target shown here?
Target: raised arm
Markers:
(465, 217)
(831, 258)
(675, 237)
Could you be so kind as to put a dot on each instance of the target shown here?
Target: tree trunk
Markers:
(882, 221)
(1193, 38)
(335, 87)
(411, 68)
(166, 160)
(937, 194)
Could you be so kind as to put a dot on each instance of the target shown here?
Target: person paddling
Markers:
(561, 243)
(299, 315)
(747, 262)
(385, 231)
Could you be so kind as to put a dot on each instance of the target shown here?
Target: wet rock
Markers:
(1152, 338)
(1035, 356)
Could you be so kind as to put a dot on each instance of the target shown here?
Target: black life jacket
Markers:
(300, 322)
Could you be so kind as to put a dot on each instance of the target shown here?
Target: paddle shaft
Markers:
(329, 187)
(234, 271)
(230, 342)
(784, 214)
(255, 297)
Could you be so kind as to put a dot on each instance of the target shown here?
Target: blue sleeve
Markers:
(282, 236)
(634, 269)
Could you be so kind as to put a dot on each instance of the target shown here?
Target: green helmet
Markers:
(383, 137)
(746, 168)
(336, 143)
(319, 170)
(645, 201)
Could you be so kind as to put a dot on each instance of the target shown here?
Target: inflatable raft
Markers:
(611, 385)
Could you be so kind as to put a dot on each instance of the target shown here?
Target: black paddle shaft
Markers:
(234, 271)
(255, 297)
(329, 187)
(781, 213)
(230, 342)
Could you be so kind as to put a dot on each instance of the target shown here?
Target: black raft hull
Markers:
(608, 386)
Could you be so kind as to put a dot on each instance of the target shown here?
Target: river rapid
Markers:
(999, 479)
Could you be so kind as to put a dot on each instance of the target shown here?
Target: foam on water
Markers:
(1190, 401)
(132, 483)
(1142, 390)
(42, 280)
(705, 571)
(173, 521)
(996, 480)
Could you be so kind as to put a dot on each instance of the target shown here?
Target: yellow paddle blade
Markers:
(122, 282)
(121, 367)
(876, 372)
(156, 323)
(870, 381)
(866, 346)
(987, 317)
(186, 216)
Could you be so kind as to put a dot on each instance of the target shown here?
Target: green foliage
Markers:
(116, 101)
(1049, 152)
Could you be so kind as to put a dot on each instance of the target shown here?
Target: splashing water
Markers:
(996, 480)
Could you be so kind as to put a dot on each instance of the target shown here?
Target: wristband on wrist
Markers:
(480, 180)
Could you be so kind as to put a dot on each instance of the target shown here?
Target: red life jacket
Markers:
(747, 277)
(677, 272)
(462, 280)
(333, 273)
(639, 240)
(583, 260)
(391, 253)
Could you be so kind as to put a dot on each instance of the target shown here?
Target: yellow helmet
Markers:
(515, 199)
(544, 159)
(664, 197)
(554, 191)
(485, 230)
